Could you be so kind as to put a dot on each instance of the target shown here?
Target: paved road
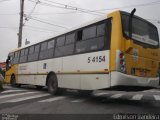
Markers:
(32, 101)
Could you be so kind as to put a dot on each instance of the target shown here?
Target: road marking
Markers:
(116, 96)
(152, 91)
(17, 94)
(157, 97)
(26, 98)
(99, 94)
(79, 100)
(137, 97)
(10, 91)
(52, 99)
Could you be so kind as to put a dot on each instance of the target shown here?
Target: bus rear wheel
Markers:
(52, 84)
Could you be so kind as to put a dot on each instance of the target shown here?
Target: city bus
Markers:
(119, 49)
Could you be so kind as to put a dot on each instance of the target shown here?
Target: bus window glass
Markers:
(147, 37)
(16, 54)
(26, 51)
(16, 58)
(89, 33)
(90, 45)
(22, 52)
(37, 48)
(51, 44)
(100, 29)
(68, 49)
(79, 35)
(11, 57)
(60, 41)
(23, 57)
(31, 50)
(44, 46)
(70, 38)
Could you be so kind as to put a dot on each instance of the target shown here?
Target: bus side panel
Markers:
(46, 66)
(96, 81)
(93, 62)
(27, 73)
(86, 71)
(84, 81)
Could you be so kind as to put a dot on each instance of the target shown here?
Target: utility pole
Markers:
(21, 23)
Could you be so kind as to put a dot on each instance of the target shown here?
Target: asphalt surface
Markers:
(29, 100)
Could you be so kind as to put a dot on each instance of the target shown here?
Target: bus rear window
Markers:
(143, 32)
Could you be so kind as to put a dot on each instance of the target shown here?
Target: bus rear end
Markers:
(136, 58)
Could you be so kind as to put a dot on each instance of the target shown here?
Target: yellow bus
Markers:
(119, 49)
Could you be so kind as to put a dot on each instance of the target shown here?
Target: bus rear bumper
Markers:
(121, 79)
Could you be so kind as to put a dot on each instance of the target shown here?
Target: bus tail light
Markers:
(120, 64)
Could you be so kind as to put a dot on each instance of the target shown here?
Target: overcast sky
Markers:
(57, 18)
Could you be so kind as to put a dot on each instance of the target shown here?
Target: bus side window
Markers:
(60, 41)
(59, 46)
(70, 38)
(51, 44)
(69, 44)
(43, 46)
(100, 29)
(47, 49)
(50, 48)
(16, 58)
(11, 57)
(89, 32)
(88, 42)
(95, 37)
(22, 52)
(37, 48)
(33, 53)
(31, 49)
(23, 55)
(79, 35)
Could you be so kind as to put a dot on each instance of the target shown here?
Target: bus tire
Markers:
(13, 81)
(52, 84)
